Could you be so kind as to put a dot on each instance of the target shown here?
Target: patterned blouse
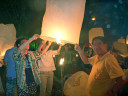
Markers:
(20, 65)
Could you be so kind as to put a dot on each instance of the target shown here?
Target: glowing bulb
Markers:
(61, 61)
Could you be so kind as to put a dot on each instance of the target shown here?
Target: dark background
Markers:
(27, 15)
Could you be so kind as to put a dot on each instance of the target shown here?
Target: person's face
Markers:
(25, 50)
(99, 47)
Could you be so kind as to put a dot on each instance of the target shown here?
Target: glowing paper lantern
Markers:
(76, 84)
(94, 32)
(121, 48)
(121, 41)
(63, 20)
(7, 38)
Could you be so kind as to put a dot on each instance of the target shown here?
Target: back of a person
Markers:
(10, 63)
(47, 63)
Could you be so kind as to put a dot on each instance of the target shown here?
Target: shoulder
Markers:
(110, 57)
(92, 58)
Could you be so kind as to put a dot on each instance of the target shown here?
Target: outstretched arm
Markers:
(46, 48)
(34, 37)
(58, 51)
(81, 53)
(41, 46)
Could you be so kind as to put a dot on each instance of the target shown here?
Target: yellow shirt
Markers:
(101, 78)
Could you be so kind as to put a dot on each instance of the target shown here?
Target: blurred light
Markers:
(108, 26)
(2, 53)
(53, 55)
(61, 61)
(127, 39)
(93, 18)
(116, 6)
(58, 40)
(77, 55)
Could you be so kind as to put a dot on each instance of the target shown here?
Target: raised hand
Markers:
(77, 47)
(35, 36)
(49, 43)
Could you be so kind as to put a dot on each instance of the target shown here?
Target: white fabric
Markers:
(76, 84)
(47, 63)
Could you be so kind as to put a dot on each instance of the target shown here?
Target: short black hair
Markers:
(105, 40)
(18, 41)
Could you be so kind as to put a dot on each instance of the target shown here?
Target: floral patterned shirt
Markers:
(20, 65)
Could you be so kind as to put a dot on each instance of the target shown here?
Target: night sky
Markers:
(27, 15)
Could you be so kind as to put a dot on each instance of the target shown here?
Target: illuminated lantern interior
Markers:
(7, 38)
(121, 48)
(63, 20)
(94, 32)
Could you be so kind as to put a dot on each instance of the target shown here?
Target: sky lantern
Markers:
(7, 38)
(121, 48)
(121, 40)
(94, 32)
(62, 20)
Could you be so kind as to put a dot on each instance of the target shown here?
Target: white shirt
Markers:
(47, 63)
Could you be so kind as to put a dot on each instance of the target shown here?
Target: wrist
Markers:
(31, 39)
(80, 52)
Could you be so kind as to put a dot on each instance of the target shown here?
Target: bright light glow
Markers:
(77, 55)
(2, 55)
(127, 39)
(61, 61)
(53, 55)
(127, 42)
(93, 18)
(58, 40)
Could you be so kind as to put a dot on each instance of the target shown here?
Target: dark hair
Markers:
(104, 40)
(100, 38)
(18, 41)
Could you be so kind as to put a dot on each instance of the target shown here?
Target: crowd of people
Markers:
(30, 73)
